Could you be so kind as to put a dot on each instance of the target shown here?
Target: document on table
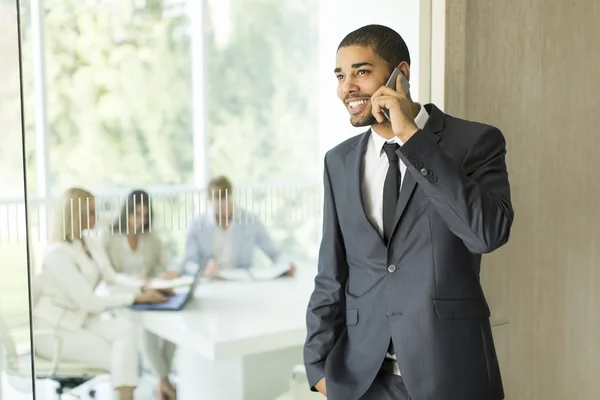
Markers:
(256, 273)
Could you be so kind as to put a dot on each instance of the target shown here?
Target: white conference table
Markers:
(237, 340)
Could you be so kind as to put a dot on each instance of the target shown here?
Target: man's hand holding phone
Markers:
(399, 109)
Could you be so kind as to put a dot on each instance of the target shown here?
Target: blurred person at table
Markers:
(134, 248)
(227, 235)
(74, 265)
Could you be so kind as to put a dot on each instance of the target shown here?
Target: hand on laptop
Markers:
(150, 296)
(166, 292)
(212, 269)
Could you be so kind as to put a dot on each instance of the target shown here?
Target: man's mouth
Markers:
(356, 106)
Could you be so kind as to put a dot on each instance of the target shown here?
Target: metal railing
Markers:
(292, 213)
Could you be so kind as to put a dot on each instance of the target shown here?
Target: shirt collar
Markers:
(420, 120)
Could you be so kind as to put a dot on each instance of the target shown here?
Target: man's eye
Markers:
(363, 71)
(339, 77)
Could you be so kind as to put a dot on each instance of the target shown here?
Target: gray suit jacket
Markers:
(422, 289)
(248, 233)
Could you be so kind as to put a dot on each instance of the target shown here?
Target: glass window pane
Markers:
(118, 93)
(15, 346)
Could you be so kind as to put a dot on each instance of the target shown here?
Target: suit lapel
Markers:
(434, 124)
(354, 162)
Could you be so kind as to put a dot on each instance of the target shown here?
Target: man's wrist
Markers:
(408, 133)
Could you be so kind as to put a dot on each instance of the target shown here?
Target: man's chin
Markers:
(362, 121)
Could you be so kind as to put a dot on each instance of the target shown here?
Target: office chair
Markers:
(17, 364)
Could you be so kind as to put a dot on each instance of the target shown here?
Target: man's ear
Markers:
(405, 69)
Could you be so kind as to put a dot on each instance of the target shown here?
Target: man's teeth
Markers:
(356, 103)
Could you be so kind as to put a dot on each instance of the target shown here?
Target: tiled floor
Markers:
(45, 390)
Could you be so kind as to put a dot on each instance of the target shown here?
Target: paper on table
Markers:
(255, 273)
(158, 283)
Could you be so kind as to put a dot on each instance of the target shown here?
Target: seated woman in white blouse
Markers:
(134, 248)
(73, 266)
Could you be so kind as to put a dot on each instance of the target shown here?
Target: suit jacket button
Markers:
(425, 172)
(392, 268)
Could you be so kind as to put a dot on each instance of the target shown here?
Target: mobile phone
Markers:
(391, 83)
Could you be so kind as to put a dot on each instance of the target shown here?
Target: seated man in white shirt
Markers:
(225, 238)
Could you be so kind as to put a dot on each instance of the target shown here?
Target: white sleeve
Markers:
(61, 267)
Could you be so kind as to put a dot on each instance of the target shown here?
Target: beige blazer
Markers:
(153, 253)
(69, 278)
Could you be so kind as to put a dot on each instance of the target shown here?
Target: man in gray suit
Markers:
(398, 311)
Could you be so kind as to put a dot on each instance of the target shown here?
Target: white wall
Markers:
(338, 18)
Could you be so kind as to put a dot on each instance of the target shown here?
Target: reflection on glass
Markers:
(15, 361)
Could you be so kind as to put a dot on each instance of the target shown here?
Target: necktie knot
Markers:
(390, 151)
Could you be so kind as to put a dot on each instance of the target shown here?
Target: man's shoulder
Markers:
(470, 131)
(342, 149)
(201, 221)
(464, 133)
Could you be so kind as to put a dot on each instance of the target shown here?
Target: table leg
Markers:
(200, 378)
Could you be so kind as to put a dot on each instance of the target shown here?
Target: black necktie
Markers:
(391, 188)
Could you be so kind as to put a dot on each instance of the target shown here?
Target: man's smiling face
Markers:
(360, 73)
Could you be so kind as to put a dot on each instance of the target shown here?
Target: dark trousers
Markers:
(387, 386)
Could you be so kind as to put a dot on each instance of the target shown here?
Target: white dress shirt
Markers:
(375, 166)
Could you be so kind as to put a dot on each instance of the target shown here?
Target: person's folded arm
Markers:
(473, 197)
(65, 274)
(326, 314)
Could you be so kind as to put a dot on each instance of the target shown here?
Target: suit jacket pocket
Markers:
(351, 316)
(461, 308)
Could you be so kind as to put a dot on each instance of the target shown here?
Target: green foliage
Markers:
(119, 105)
(262, 108)
(119, 93)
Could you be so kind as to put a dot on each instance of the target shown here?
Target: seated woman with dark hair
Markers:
(134, 248)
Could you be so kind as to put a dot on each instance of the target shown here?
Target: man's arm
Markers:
(265, 242)
(473, 198)
(194, 257)
(326, 314)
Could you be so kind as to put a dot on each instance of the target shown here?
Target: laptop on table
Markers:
(175, 303)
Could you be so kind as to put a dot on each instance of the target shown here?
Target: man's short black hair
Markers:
(384, 41)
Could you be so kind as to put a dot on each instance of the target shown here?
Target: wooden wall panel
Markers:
(532, 69)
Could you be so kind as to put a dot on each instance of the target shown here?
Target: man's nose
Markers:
(349, 86)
